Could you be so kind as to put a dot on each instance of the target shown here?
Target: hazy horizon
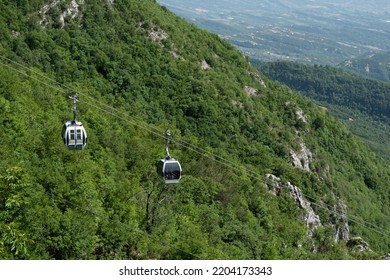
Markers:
(312, 31)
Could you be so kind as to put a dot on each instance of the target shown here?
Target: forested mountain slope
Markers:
(372, 65)
(266, 173)
(363, 104)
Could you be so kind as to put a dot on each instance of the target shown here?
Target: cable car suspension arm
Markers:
(167, 135)
(75, 99)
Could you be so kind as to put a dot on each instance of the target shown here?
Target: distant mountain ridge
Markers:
(372, 65)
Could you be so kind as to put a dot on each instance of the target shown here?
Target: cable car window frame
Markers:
(171, 177)
(79, 134)
(71, 134)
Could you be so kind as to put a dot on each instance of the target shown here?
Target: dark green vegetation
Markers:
(107, 202)
(372, 65)
(362, 104)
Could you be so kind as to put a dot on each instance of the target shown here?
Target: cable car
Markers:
(169, 168)
(73, 132)
(74, 135)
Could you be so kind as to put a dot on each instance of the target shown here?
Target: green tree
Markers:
(14, 240)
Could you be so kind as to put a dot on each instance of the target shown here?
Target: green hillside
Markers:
(374, 65)
(266, 173)
(362, 104)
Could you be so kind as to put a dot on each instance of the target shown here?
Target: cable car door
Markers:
(76, 137)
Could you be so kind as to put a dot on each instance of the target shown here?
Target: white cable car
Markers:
(74, 135)
(169, 168)
(73, 132)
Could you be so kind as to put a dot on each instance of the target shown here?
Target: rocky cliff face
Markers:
(311, 219)
(341, 226)
(302, 158)
(71, 11)
(357, 244)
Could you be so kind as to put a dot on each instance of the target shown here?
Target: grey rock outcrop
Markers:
(302, 158)
(341, 226)
(311, 219)
(72, 11)
(357, 244)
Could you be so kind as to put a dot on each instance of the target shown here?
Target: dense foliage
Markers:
(362, 104)
(138, 70)
(374, 65)
(334, 86)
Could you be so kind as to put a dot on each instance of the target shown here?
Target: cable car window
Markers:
(71, 134)
(172, 171)
(78, 134)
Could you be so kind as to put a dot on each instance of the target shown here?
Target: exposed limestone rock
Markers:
(324, 109)
(348, 63)
(258, 78)
(238, 104)
(386, 257)
(205, 65)
(45, 9)
(342, 226)
(357, 244)
(311, 219)
(15, 34)
(298, 111)
(250, 91)
(302, 158)
(175, 54)
(72, 11)
(274, 184)
(158, 35)
(301, 115)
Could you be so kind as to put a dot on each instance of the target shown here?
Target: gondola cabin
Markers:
(170, 169)
(74, 135)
